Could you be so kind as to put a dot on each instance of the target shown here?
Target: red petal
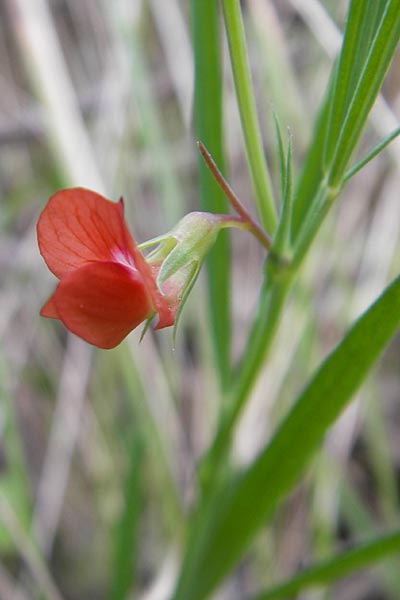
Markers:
(149, 273)
(78, 226)
(49, 309)
(102, 302)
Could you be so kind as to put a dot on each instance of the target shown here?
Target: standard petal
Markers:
(102, 302)
(78, 226)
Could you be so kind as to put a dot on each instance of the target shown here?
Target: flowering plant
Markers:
(181, 440)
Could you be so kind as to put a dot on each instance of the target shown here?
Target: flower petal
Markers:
(78, 226)
(149, 272)
(50, 309)
(164, 304)
(102, 302)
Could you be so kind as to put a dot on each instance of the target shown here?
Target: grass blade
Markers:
(225, 526)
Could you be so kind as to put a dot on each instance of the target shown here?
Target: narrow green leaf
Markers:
(335, 568)
(348, 64)
(373, 13)
(312, 172)
(370, 81)
(208, 128)
(371, 155)
(227, 523)
(281, 155)
(282, 240)
(371, 57)
(362, 23)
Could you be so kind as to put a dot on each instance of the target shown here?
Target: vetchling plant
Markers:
(107, 286)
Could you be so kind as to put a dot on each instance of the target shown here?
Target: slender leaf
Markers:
(282, 238)
(365, 74)
(362, 24)
(281, 155)
(373, 14)
(371, 155)
(312, 172)
(208, 126)
(370, 81)
(349, 64)
(227, 523)
(337, 567)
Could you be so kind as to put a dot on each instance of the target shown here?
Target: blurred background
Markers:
(98, 448)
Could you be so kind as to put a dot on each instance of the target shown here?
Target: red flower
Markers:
(106, 288)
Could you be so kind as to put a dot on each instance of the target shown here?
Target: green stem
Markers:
(253, 228)
(279, 276)
(277, 284)
(233, 199)
(247, 107)
(278, 280)
(323, 201)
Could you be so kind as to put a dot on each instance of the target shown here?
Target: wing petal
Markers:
(102, 302)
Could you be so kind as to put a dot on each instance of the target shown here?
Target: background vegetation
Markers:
(109, 479)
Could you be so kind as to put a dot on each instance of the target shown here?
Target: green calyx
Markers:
(179, 254)
(188, 242)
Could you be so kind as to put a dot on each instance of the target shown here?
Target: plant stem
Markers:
(233, 199)
(247, 107)
(238, 223)
(277, 284)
